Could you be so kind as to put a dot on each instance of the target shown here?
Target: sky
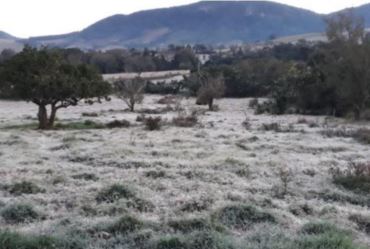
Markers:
(26, 18)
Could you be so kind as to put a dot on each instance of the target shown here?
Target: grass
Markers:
(242, 216)
(12, 240)
(19, 213)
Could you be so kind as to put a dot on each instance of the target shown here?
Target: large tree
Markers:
(348, 61)
(42, 77)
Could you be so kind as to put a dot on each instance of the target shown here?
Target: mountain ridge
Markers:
(236, 22)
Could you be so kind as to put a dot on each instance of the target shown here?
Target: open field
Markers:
(178, 173)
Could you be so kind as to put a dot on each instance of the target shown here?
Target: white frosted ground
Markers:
(212, 152)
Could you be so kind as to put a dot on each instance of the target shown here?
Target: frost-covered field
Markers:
(178, 173)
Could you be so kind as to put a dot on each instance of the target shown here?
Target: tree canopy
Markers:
(44, 78)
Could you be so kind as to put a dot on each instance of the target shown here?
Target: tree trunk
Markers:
(52, 117)
(43, 117)
(210, 104)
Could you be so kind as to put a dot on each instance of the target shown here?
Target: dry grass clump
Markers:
(355, 178)
(19, 213)
(24, 187)
(86, 177)
(184, 120)
(118, 124)
(242, 217)
(271, 127)
(363, 222)
(125, 225)
(90, 114)
(190, 225)
(153, 123)
(167, 100)
(114, 193)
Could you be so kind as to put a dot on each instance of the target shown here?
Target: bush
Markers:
(118, 124)
(355, 178)
(125, 225)
(153, 124)
(253, 103)
(24, 187)
(185, 120)
(242, 216)
(114, 193)
(19, 213)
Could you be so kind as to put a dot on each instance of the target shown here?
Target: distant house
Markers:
(203, 58)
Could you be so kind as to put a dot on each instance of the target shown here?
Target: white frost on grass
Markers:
(214, 163)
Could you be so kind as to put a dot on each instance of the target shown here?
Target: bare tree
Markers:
(212, 87)
(131, 91)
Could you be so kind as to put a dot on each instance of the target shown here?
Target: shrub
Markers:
(355, 178)
(118, 124)
(125, 225)
(115, 192)
(140, 118)
(153, 124)
(242, 216)
(185, 120)
(189, 225)
(24, 187)
(19, 213)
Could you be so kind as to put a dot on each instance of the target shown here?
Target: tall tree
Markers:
(348, 64)
(45, 79)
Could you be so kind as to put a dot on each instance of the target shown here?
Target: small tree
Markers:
(43, 77)
(213, 87)
(131, 91)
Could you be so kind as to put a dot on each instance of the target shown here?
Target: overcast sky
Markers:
(24, 18)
